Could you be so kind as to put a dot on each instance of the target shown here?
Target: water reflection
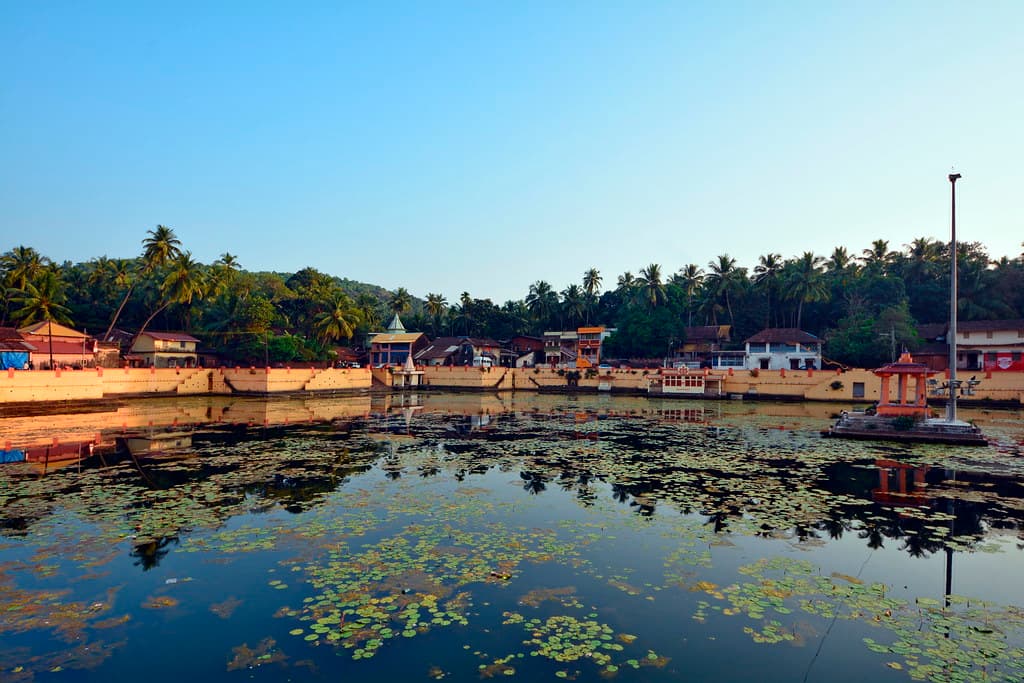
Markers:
(374, 493)
(757, 469)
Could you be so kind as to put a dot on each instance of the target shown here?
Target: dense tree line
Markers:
(857, 303)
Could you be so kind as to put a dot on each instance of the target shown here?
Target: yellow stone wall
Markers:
(75, 385)
(49, 385)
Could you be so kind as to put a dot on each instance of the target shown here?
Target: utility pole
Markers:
(953, 383)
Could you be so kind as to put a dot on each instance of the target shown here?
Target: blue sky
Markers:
(479, 146)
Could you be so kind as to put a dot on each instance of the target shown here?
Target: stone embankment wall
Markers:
(93, 384)
(527, 379)
(19, 386)
(49, 385)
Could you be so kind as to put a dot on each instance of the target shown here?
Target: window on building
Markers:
(858, 389)
(967, 335)
(988, 335)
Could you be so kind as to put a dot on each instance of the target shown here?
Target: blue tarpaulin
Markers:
(13, 359)
(12, 456)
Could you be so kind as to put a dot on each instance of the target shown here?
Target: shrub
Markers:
(902, 423)
(754, 372)
(836, 385)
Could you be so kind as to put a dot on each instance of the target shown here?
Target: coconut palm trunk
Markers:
(106, 335)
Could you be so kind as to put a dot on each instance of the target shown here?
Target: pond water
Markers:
(459, 537)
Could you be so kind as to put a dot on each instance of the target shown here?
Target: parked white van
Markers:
(482, 362)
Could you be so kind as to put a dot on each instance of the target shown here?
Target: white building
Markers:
(990, 345)
(783, 348)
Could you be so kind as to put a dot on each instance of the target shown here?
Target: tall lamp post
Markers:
(953, 383)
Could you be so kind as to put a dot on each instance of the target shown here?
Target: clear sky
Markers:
(481, 146)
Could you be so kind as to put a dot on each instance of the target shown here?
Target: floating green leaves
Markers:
(959, 639)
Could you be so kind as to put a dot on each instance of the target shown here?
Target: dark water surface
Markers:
(459, 537)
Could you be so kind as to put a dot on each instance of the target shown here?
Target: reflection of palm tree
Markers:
(874, 537)
(835, 527)
(916, 546)
(620, 493)
(149, 554)
(533, 483)
(719, 520)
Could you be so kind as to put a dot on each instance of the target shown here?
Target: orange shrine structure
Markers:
(910, 401)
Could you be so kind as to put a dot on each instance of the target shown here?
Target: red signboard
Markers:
(1004, 361)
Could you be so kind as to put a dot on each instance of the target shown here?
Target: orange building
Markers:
(588, 346)
(911, 403)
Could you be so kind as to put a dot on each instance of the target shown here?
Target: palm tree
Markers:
(436, 305)
(626, 283)
(369, 310)
(465, 313)
(43, 300)
(185, 281)
(839, 261)
(691, 277)
(541, 301)
(339, 320)
(21, 266)
(923, 257)
(724, 279)
(518, 316)
(591, 285)
(223, 273)
(574, 303)
(400, 302)
(101, 273)
(160, 247)
(804, 283)
(18, 267)
(651, 286)
(591, 281)
(768, 276)
(878, 258)
(229, 261)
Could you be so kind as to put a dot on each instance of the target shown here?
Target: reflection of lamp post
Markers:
(953, 384)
